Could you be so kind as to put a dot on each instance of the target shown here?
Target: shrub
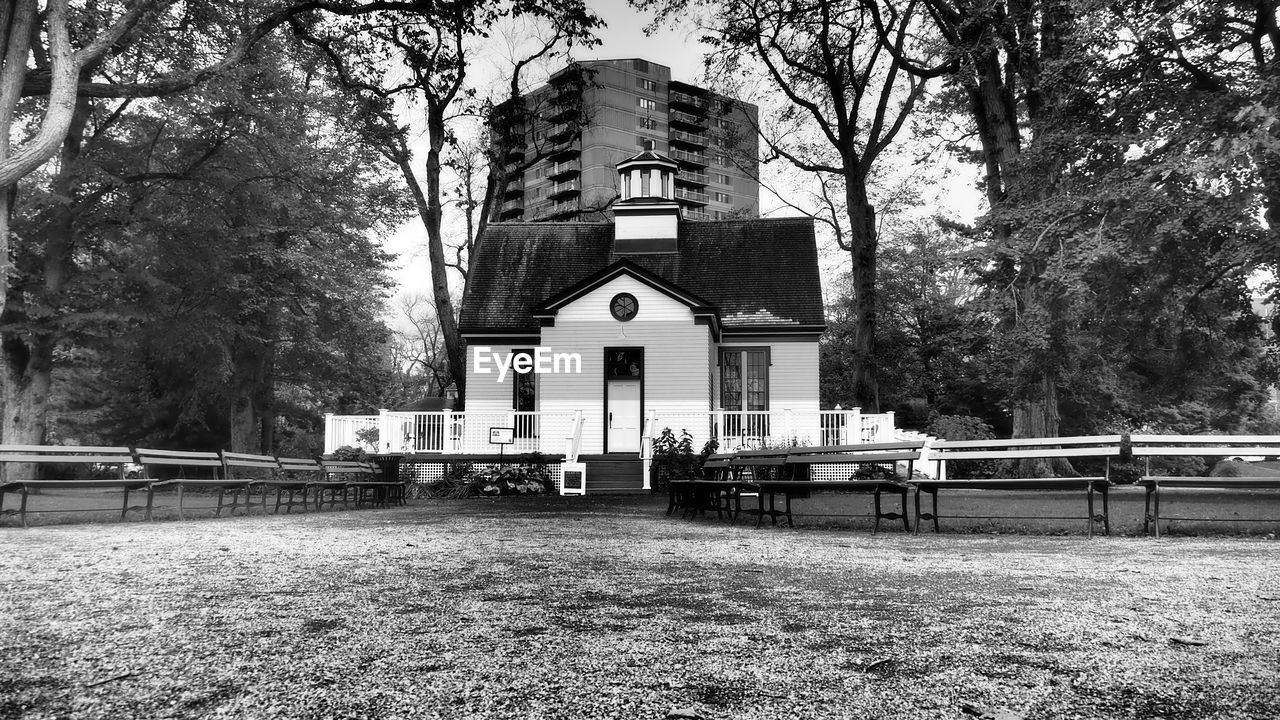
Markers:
(347, 452)
(964, 427)
(673, 459)
(464, 480)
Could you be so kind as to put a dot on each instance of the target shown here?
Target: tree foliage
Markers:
(224, 277)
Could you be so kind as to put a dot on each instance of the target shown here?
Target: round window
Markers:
(624, 306)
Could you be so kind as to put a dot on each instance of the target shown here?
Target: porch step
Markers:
(614, 474)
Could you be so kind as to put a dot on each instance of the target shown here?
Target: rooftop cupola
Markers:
(646, 216)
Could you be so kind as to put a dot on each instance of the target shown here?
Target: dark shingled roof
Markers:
(760, 273)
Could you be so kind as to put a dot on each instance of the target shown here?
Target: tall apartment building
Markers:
(591, 116)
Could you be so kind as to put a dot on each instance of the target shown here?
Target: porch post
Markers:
(330, 434)
(384, 429)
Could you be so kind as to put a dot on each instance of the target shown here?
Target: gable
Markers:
(655, 305)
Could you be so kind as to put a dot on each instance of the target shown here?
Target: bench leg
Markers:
(1106, 512)
(22, 509)
(917, 493)
(151, 494)
(906, 523)
(124, 512)
(279, 491)
(181, 493)
(1088, 490)
(1146, 512)
(1155, 518)
(876, 527)
(791, 522)
(935, 512)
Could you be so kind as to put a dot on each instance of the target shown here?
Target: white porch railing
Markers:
(555, 433)
(450, 432)
(776, 428)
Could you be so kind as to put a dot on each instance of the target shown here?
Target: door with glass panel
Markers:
(744, 395)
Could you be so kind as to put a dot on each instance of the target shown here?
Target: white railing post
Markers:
(646, 448)
(384, 429)
(855, 422)
(330, 432)
(889, 427)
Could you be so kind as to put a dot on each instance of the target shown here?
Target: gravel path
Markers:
(577, 608)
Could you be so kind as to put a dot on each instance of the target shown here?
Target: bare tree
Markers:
(847, 100)
(435, 54)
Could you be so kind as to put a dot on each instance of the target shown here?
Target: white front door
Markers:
(623, 418)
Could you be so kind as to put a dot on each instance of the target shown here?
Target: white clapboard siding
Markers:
(675, 357)
(484, 393)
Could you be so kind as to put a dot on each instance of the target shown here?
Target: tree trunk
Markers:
(26, 353)
(267, 403)
(1036, 415)
(243, 431)
(863, 243)
(430, 209)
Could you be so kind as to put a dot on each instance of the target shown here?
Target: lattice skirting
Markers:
(428, 472)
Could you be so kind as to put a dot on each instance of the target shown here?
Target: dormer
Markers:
(646, 217)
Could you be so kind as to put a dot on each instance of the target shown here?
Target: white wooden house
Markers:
(710, 327)
(639, 324)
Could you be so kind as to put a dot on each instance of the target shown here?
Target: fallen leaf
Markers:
(1183, 640)
(881, 663)
(688, 712)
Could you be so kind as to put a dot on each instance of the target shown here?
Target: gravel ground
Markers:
(603, 608)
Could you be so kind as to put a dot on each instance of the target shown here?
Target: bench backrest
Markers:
(359, 468)
(87, 455)
(237, 464)
(906, 445)
(1089, 446)
(300, 465)
(1205, 445)
(208, 463)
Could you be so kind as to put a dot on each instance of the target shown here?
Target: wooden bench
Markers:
(1206, 446)
(298, 475)
(686, 495)
(260, 470)
(80, 456)
(873, 469)
(207, 465)
(1102, 447)
(358, 478)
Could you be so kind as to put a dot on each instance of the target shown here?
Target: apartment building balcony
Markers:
(697, 215)
(515, 188)
(562, 107)
(563, 169)
(555, 210)
(686, 120)
(563, 151)
(692, 196)
(691, 158)
(687, 102)
(696, 140)
(561, 132)
(562, 190)
(692, 177)
(512, 210)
